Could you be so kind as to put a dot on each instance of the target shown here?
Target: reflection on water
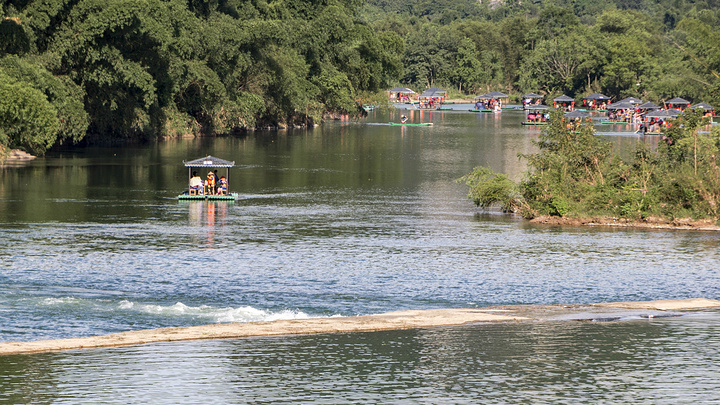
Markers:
(208, 215)
(660, 361)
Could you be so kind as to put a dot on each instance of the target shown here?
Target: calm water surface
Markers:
(347, 219)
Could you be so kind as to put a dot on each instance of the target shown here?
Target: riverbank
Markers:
(647, 223)
(15, 157)
(371, 323)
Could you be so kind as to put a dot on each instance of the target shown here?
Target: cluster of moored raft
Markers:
(647, 117)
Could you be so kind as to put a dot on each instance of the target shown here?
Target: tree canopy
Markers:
(141, 69)
(651, 49)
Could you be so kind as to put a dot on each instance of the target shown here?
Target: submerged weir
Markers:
(372, 323)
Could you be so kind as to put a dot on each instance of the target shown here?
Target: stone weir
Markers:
(370, 323)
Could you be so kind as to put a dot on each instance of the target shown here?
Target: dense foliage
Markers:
(108, 70)
(651, 49)
(142, 69)
(576, 174)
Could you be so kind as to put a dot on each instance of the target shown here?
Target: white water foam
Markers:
(62, 301)
(214, 314)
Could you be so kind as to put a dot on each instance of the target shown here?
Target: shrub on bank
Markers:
(577, 175)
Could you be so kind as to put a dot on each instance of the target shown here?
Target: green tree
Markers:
(698, 42)
(555, 21)
(631, 69)
(562, 64)
(336, 91)
(429, 54)
(568, 166)
(491, 73)
(516, 41)
(15, 38)
(689, 176)
(117, 52)
(27, 119)
(684, 141)
(468, 68)
(64, 95)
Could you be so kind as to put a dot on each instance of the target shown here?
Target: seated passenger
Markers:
(222, 186)
(196, 182)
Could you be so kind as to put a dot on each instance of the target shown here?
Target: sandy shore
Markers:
(370, 323)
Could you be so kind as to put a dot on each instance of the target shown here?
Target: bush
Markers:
(488, 188)
(576, 174)
(27, 119)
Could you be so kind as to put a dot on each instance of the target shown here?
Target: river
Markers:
(350, 218)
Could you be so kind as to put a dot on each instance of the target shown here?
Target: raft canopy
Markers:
(577, 114)
(403, 90)
(597, 96)
(671, 113)
(537, 107)
(630, 100)
(563, 99)
(621, 105)
(492, 95)
(531, 95)
(704, 106)
(209, 161)
(649, 106)
(678, 101)
(434, 92)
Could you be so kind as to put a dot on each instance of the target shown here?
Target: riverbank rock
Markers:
(650, 222)
(16, 157)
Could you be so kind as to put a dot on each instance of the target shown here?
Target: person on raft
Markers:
(222, 186)
(403, 119)
(210, 183)
(196, 182)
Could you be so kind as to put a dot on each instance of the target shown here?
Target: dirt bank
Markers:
(370, 323)
(649, 223)
(15, 157)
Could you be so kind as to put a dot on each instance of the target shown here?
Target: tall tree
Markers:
(467, 67)
(562, 64)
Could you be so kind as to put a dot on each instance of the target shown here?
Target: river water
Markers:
(350, 218)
